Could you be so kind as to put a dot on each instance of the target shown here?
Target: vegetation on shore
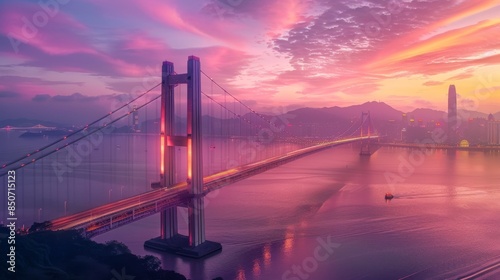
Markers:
(68, 255)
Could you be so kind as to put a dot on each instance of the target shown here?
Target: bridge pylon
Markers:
(193, 245)
(367, 148)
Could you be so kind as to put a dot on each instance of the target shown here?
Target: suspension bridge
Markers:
(73, 182)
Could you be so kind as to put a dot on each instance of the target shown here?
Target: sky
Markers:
(68, 59)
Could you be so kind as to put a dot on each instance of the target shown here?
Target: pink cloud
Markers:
(141, 41)
(432, 83)
(275, 16)
(53, 33)
(186, 16)
(461, 76)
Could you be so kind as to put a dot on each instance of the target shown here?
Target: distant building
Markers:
(421, 123)
(491, 118)
(475, 131)
(452, 115)
(493, 131)
(464, 144)
(405, 120)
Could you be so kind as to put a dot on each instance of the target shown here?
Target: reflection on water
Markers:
(266, 255)
(256, 268)
(288, 242)
(241, 274)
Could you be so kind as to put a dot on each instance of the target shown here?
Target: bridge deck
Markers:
(107, 217)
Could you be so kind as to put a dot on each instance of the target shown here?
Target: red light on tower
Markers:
(162, 155)
(189, 158)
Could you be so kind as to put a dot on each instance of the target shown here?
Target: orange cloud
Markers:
(467, 9)
(458, 43)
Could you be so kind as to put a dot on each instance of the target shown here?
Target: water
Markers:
(442, 223)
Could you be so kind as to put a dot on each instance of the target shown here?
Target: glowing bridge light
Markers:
(189, 157)
(162, 154)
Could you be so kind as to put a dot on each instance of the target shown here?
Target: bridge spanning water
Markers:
(181, 128)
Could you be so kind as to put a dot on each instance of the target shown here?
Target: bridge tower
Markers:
(366, 130)
(193, 245)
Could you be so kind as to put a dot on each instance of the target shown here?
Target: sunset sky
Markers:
(77, 55)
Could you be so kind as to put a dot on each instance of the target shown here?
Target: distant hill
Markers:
(22, 122)
(473, 114)
(312, 115)
(427, 114)
(436, 115)
(378, 111)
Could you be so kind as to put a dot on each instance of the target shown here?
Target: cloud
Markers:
(303, 52)
(30, 86)
(451, 50)
(461, 76)
(364, 36)
(8, 94)
(41, 97)
(53, 33)
(432, 83)
(275, 16)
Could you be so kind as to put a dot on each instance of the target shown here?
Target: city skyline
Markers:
(318, 54)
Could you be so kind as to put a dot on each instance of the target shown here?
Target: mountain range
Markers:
(23, 122)
(379, 111)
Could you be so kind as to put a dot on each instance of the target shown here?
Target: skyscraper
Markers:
(452, 115)
(493, 131)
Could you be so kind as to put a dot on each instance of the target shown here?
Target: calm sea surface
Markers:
(320, 217)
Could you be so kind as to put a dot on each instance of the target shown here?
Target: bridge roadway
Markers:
(441, 146)
(112, 215)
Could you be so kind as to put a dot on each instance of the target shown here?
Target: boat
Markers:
(389, 195)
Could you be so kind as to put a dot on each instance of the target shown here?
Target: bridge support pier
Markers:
(194, 245)
(168, 223)
(367, 148)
